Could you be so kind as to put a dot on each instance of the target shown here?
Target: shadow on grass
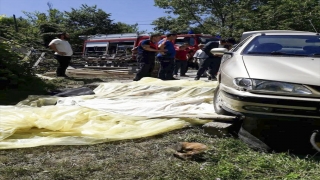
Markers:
(32, 86)
(36, 86)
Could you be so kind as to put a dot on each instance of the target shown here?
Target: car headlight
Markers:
(271, 86)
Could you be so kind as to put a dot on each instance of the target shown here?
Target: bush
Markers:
(13, 71)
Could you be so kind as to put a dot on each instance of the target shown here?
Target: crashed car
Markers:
(273, 74)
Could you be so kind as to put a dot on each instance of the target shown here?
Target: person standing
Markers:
(63, 53)
(212, 62)
(181, 61)
(200, 56)
(167, 59)
(146, 53)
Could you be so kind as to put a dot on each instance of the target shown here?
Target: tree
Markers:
(290, 14)
(232, 17)
(125, 28)
(170, 24)
(89, 20)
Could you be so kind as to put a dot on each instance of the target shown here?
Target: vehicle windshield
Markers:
(181, 40)
(205, 40)
(95, 49)
(292, 45)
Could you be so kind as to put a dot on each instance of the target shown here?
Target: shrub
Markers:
(13, 71)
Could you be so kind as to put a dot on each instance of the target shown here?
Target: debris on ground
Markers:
(187, 150)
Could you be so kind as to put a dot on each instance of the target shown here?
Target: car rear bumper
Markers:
(281, 107)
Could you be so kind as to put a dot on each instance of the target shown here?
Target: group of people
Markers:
(171, 60)
(156, 48)
(208, 61)
(152, 49)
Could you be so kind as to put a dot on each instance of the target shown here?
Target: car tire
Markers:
(218, 109)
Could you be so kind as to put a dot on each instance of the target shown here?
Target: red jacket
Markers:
(181, 55)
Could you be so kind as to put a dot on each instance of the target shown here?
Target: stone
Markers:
(218, 129)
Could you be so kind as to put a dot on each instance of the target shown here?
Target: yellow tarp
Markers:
(117, 111)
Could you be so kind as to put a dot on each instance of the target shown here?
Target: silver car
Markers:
(273, 74)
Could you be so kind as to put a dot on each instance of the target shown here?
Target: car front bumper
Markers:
(260, 105)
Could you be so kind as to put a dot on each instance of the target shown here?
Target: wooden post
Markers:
(15, 23)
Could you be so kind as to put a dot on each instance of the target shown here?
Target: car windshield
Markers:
(181, 40)
(205, 40)
(292, 45)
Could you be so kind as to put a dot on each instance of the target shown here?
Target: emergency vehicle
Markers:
(115, 49)
(110, 49)
(194, 40)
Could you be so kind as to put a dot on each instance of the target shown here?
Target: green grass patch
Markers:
(149, 158)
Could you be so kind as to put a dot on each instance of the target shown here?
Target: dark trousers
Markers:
(64, 62)
(145, 70)
(182, 65)
(211, 63)
(166, 68)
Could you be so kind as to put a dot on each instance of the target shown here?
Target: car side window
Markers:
(192, 41)
(235, 49)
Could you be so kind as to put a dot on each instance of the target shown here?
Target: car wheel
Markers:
(216, 100)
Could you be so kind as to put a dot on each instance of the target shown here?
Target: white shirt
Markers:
(200, 54)
(62, 46)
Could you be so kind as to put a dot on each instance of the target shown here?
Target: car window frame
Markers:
(239, 45)
(243, 53)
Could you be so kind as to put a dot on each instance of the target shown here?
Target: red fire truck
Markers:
(115, 49)
(110, 49)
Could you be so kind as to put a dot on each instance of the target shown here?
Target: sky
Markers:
(142, 12)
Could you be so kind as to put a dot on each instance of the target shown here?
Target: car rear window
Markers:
(304, 45)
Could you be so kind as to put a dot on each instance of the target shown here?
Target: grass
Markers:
(150, 158)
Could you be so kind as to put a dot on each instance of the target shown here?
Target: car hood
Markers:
(301, 70)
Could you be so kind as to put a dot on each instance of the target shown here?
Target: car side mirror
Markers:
(218, 51)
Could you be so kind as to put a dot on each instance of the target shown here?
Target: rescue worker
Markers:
(146, 53)
(212, 62)
(181, 61)
(167, 59)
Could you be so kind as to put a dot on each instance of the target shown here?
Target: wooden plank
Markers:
(27, 55)
(211, 117)
(97, 72)
(116, 72)
(104, 68)
(41, 58)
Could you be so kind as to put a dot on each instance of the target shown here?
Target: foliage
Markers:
(232, 17)
(39, 28)
(13, 73)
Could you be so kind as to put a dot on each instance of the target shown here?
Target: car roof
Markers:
(276, 32)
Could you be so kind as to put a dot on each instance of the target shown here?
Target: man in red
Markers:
(181, 61)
